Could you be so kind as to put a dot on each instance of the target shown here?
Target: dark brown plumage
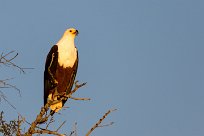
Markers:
(59, 79)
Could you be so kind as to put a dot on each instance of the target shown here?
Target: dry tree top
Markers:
(13, 127)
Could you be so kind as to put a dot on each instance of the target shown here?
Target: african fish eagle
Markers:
(60, 70)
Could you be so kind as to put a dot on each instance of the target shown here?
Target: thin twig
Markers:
(5, 84)
(48, 132)
(51, 121)
(71, 133)
(106, 125)
(99, 122)
(60, 126)
(5, 99)
(77, 86)
(75, 128)
(8, 62)
(38, 119)
(83, 99)
(3, 56)
(19, 126)
(74, 131)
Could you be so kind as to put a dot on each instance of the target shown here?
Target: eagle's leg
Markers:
(52, 77)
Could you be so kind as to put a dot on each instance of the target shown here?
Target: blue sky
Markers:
(143, 57)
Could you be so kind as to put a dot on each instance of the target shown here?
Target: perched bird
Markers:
(60, 70)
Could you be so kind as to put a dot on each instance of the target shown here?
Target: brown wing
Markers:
(51, 63)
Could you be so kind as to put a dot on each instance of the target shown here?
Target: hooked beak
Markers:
(76, 32)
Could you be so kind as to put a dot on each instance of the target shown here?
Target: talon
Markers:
(76, 82)
(55, 82)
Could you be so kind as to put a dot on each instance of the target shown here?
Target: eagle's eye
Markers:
(70, 30)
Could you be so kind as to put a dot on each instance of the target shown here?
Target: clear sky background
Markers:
(143, 57)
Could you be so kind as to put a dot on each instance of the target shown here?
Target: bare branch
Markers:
(77, 86)
(8, 62)
(48, 132)
(83, 99)
(61, 126)
(99, 122)
(5, 99)
(9, 128)
(106, 125)
(20, 121)
(4, 84)
(38, 119)
(6, 59)
(74, 130)
(51, 121)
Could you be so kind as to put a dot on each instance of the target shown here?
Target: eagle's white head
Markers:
(68, 37)
(71, 32)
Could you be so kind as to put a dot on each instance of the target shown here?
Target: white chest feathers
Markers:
(67, 55)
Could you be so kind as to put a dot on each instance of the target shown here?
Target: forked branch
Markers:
(7, 60)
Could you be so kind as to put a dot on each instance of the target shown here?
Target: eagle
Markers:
(60, 70)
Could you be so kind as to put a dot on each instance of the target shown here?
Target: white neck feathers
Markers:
(67, 53)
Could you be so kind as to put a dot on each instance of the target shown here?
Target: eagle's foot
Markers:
(55, 82)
